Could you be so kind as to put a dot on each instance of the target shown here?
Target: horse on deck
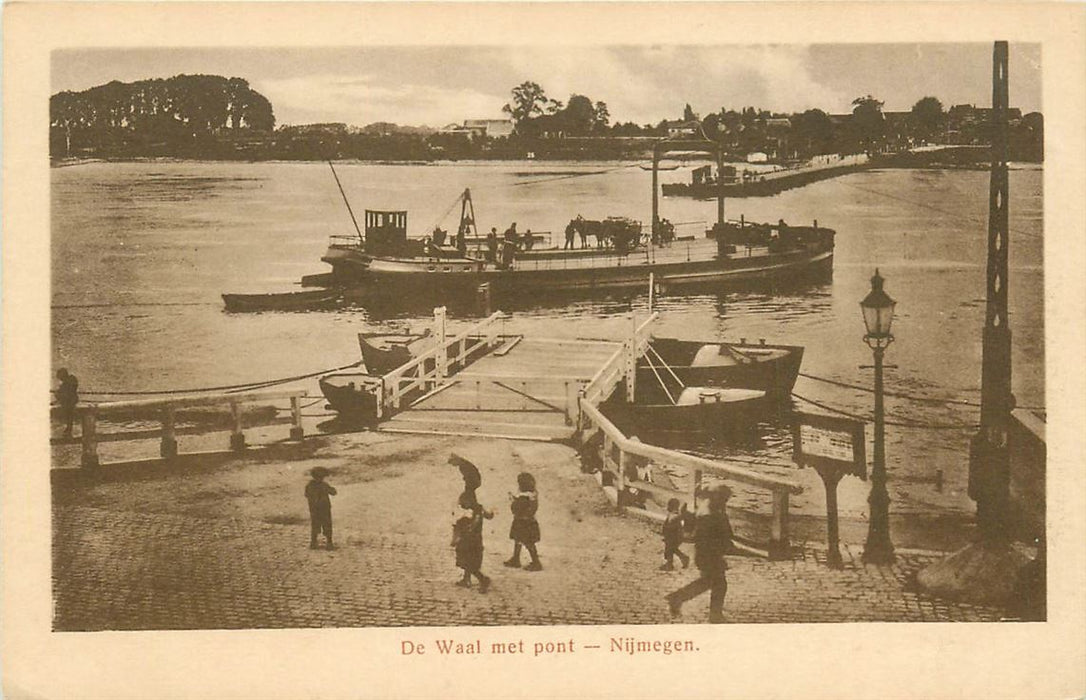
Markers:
(617, 233)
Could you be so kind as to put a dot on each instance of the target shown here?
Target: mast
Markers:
(989, 457)
(361, 238)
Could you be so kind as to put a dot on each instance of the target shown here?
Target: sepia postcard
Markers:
(427, 350)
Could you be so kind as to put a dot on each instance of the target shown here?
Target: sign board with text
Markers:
(829, 441)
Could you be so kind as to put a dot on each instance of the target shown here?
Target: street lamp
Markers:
(878, 312)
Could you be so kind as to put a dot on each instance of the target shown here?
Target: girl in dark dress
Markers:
(525, 528)
(468, 541)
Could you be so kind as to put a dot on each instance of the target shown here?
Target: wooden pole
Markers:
(297, 432)
(237, 438)
(778, 538)
(89, 422)
(168, 448)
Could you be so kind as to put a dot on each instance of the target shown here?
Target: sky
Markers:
(439, 85)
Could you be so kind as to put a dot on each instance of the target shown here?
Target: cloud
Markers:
(646, 84)
(363, 100)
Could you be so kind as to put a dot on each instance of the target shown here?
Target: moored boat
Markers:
(769, 368)
(695, 409)
(382, 353)
(281, 301)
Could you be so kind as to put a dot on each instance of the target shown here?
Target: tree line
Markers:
(177, 116)
(206, 116)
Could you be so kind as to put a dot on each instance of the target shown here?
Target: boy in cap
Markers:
(317, 493)
(712, 539)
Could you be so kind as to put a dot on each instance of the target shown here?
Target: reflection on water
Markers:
(141, 252)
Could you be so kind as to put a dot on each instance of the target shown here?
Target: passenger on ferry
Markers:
(492, 245)
(439, 236)
(528, 239)
(571, 231)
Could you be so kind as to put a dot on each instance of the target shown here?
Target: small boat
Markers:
(382, 352)
(346, 394)
(281, 301)
(696, 409)
(769, 368)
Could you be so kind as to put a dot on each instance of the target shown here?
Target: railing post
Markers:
(237, 438)
(89, 422)
(168, 448)
(571, 401)
(441, 361)
(620, 498)
(779, 547)
(694, 491)
(381, 399)
(296, 430)
(581, 396)
(631, 360)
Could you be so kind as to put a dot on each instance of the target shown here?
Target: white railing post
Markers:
(237, 438)
(168, 448)
(381, 399)
(631, 360)
(296, 430)
(442, 360)
(89, 423)
(778, 536)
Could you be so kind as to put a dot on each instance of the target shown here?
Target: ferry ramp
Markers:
(525, 389)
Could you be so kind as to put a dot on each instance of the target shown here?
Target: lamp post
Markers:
(878, 313)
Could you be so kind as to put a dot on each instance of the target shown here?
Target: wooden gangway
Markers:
(508, 386)
(483, 383)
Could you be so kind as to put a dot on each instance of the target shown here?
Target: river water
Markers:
(142, 251)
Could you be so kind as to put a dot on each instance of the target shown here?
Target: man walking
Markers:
(712, 539)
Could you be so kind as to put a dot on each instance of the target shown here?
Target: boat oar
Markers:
(349, 210)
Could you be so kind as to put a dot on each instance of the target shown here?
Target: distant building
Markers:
(757, 157)
(680, 128)
(778, 123)
(491, 128)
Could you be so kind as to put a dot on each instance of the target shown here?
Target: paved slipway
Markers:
(227, 547)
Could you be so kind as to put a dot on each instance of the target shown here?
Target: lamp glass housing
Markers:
(878, 309)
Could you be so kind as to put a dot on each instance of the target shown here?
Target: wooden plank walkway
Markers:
(525, 392)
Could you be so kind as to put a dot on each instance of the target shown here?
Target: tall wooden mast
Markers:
(989, 457)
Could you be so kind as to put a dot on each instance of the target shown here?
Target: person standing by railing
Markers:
(68, 398)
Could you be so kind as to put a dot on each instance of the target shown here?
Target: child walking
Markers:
(525, 528)
(673, 536)
(468, 540)
(317, 493)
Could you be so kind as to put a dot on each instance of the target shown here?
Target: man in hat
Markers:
(712, 539)
(317, 493)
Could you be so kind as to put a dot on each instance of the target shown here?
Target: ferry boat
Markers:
(385, 262)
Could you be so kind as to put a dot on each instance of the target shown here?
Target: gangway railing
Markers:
(621, 365)
(616, 453)
(432, 366)
(89, 413)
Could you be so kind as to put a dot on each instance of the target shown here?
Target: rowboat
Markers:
(696, 409)
(769, 368)
(383, 352)
(281, 301)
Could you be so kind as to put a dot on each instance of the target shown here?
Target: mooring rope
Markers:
(910, 397)
(901, 424)
(226, 387)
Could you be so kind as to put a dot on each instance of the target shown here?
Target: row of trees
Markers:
(172, 116)
(208, 116)
(535, 114)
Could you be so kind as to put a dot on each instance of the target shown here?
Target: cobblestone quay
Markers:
(227, 547)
